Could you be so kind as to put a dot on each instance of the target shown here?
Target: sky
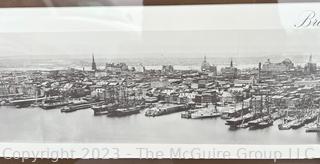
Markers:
(159, 43)
(156, 32)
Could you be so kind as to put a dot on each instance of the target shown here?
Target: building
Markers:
(207, 67)
(100, 74)
(140, 68)
(227, 97)
(310, 68)
(293, 103)
(112, 67)
(229, 72)
(257, 102)
(243, 82)
(307, 83)
(167, 68)
(283, 66)
(160, 83)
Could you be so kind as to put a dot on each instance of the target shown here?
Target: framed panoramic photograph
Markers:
(209, 81)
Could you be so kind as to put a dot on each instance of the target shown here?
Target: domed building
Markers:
(288, 63)
(284, 66)
(207, 67)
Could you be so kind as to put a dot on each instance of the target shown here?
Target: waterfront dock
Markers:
(245, 98)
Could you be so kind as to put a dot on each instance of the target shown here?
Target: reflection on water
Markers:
(37, 125)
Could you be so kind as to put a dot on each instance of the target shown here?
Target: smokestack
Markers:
(231, 63)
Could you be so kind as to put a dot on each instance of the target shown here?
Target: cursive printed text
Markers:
(308, 19)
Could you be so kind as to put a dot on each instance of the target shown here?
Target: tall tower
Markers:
(259, 75)
(231, 63)
(93, 65)
(310, 59)
(205, 66)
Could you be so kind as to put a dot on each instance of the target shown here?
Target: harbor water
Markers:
(37, 125)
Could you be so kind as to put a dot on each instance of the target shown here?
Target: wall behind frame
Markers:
(75, 3)
(62, 3)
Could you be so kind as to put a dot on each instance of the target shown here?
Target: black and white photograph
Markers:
(160, 75)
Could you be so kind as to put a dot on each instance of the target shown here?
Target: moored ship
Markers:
(311, 117)
(103, 109)
(193, 109)
(75, 107)
(298, 123)
(265, 123)
(262, 123)
(255, 122)
(187, 114)
(205, 114)
(165, 109)
(124, 112)
(287, 122)
(242, 119)
(234, 113)
(53, 105)
(315, 127)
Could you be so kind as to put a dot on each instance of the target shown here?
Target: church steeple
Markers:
(93, 65)
(310, 59)
(231, 63)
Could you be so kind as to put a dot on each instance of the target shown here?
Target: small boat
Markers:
(100, 113)
(22, 105)
(284, 126)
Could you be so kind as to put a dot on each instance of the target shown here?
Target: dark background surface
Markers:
(75, 3)
(167, 161)
(61, 3)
